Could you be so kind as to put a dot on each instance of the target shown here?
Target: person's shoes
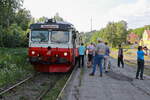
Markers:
(118, 66)
(141, 78)
(106, 71)
(101, 75)
(137, 78)
(91, 74)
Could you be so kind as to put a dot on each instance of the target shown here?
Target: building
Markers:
(145, 41)
(133, 38)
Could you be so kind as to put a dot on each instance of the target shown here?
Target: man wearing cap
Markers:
(99, 56)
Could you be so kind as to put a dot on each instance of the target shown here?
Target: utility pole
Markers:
(91, 24)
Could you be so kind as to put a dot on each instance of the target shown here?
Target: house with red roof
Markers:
(133, 38)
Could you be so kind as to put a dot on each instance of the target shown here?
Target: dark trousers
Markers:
(98, 61)
(120, 60)
(81, 59)
(140, 68)
(90, 57)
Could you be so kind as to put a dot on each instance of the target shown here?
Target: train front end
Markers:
(52, 46)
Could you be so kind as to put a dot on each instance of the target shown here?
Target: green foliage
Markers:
(13, 65)
(23, 18)
(139, 31)
(58, 18)
(42, 19)
(7, 11)
(114, 33)
(14, 22)
(86, 37)
(14, 36)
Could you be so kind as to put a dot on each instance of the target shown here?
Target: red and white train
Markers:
(53, 46)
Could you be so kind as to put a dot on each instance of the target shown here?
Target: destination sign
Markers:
(50, 26)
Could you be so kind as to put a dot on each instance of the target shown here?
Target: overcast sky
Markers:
(80, 12)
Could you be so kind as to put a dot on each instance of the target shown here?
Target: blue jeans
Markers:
(98, 61)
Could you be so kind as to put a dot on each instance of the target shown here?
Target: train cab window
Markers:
(60, 36)
(39, 36)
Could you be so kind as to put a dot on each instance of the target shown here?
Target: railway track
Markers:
(35, 87)
(63, 91)
(14, 86)
(60, 94)
(31, 88)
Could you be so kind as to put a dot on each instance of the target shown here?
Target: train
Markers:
(53, 46)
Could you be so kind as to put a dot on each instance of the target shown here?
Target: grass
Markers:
(146, 70)
(13, 65)
(131, 59)
(131, 52)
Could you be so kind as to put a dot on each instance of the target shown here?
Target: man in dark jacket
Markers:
(120, 56)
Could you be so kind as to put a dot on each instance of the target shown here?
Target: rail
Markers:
(17, 84)
(67, 83)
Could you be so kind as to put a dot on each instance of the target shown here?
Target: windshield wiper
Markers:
(59, 42)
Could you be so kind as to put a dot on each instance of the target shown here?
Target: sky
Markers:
(80, 12)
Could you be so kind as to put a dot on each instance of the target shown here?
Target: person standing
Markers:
(140, 63)
(90, 49)
(106, 58)
(81, 51)
(120, 56)
(99, 56)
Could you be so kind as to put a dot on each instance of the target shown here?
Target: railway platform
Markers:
(118, 84)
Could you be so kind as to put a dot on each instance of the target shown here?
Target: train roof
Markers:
(59, 25)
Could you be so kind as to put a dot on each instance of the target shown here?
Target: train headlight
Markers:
(33, 52)
(65, 54)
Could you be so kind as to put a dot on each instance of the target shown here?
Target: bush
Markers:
(13, 65)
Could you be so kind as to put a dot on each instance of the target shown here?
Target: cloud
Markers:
(79, 12)
(136, 14)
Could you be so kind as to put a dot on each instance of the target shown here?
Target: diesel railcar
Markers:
(53, 46)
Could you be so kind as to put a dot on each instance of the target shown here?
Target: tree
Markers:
(7, 11)
(42, 19)
(12, 38)
(23, 18)
(114, 33)
(57, 17)
(14, 23)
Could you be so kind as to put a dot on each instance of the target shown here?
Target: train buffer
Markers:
(117, 84)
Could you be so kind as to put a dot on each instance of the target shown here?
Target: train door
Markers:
(74, 46)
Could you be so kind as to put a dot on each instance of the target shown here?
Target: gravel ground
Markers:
(31, 89)
(117, 84)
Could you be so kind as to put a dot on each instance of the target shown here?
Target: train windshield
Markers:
(39, 36)
(60, 36)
